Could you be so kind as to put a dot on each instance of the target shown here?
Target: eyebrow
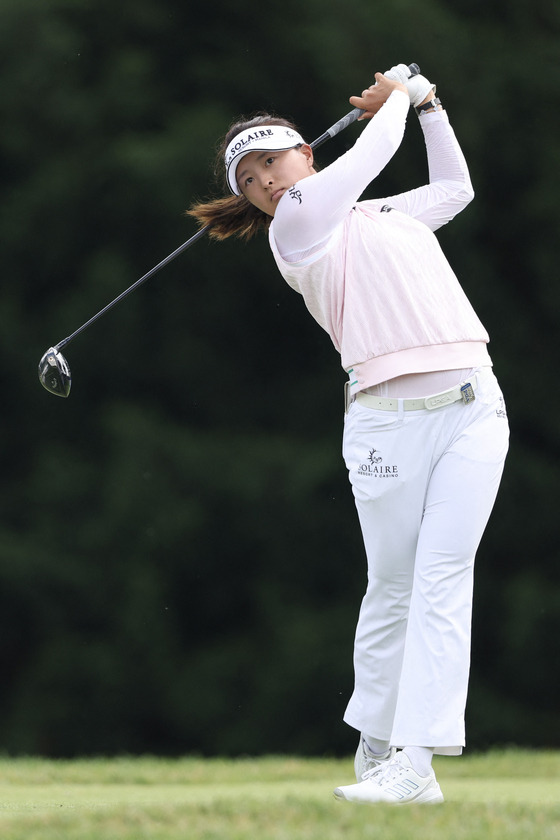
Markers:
(259, 157)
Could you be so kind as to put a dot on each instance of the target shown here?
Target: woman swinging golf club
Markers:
(426, 431)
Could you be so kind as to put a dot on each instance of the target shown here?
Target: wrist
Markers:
(429, 106)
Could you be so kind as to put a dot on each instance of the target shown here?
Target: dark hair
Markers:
(234, 215)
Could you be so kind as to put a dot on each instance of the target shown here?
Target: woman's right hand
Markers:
(376, 95)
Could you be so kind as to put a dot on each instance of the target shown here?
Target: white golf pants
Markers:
(424, 484)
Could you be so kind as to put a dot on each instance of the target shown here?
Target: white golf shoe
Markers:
(365, 760)
(393, 781)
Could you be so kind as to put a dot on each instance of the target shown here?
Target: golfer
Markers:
(426, 431)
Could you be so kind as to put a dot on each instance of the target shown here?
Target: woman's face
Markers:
(264, 177)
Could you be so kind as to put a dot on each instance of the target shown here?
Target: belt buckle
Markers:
(467, 393)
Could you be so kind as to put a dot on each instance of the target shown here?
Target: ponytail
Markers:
(230, 216)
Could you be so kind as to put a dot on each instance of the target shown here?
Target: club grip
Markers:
(344, 122)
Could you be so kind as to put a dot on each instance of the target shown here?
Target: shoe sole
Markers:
(436, 798)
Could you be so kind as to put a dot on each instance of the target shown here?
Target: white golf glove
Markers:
(398, 73)
(418, 86)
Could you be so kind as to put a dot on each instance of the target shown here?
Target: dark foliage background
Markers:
(180, 561)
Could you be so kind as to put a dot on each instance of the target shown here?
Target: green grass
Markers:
(506, 795)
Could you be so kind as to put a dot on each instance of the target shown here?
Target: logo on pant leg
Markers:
(501, 411)
(376, 468)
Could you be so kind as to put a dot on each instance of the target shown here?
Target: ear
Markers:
(308, 152)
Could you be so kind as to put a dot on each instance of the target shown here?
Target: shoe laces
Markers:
(368, 757)
(389, 770)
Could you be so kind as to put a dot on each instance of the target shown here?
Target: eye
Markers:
(248, 181)
(269, 161)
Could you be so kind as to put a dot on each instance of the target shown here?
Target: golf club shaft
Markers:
(134, 286)
(335, 129)
(331, 132)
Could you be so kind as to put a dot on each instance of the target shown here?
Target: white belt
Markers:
(464, 391)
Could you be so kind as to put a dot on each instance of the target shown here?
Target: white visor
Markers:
(261, 138)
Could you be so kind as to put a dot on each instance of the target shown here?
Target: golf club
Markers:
(54, 371)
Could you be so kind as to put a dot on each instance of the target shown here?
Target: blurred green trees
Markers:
(180, 561)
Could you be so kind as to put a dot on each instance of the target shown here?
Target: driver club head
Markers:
(54, 373)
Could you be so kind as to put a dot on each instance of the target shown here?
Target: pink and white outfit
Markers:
(424, 466)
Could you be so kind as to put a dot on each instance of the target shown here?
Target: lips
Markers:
(277, 194)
